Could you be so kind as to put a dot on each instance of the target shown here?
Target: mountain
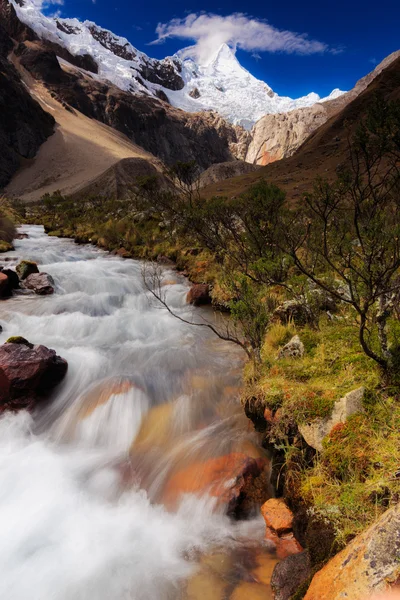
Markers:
(24, 125)
(97, 123)
(222, 84)
(277, 136)
(326, 149)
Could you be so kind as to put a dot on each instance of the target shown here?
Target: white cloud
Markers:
(43, 4)
(238, 30)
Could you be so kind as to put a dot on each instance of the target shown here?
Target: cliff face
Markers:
(278, 136)
(24, 125)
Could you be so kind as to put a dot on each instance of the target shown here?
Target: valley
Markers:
(199, 322)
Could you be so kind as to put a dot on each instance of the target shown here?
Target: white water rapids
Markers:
(70, 528)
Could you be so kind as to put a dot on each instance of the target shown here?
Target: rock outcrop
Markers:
(367, 566)
(315, 432)
(27, 373)
(277, 136)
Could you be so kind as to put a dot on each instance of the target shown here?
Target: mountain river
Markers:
(88, 509)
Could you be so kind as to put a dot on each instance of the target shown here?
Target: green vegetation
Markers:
(7, 228)
(327, 270)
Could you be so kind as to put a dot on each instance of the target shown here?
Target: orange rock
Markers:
(284, 546)
(277, 515)
(287, 546)
(224, 477)
(367, 566)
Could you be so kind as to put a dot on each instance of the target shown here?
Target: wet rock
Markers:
(278, 517)
(293, 349)
(279, 528)
(289, 574)
(12, 278)
(5, 286)
(26, 268)
(228, 478)
(368, 565)
(41, 283)
(21, 236)
(122, 252)
(199, 295)
(27, 373)
(314, 433)
(194, 93)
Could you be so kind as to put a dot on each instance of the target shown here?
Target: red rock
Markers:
(199, 294)
(284, 546)
(225, 477)
(41, 283)
(5, 288)
(278, 517)
(27, 373)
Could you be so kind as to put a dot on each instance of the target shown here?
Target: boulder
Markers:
(293, 349)
(368, 565)
(294, 310)
(199, 295)
(5, 286)
(12, 278)
(279, 528)
(314, 433)
(228, 478)
(41, 283)
(26, 268)
(289, 574)
(27, 373)
(278, 517)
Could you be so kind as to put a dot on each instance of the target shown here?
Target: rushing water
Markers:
(84, 513)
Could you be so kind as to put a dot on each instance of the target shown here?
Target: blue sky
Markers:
(345, 37)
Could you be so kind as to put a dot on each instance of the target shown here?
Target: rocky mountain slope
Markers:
(221, 84)
(326, 148)
(69, 90)
(24, 125)
(278, 136)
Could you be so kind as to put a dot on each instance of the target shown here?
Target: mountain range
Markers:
(76, 101)
(221, 84)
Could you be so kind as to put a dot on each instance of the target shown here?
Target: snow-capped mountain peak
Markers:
(221, 85)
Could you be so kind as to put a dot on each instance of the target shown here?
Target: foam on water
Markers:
(68, 529)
